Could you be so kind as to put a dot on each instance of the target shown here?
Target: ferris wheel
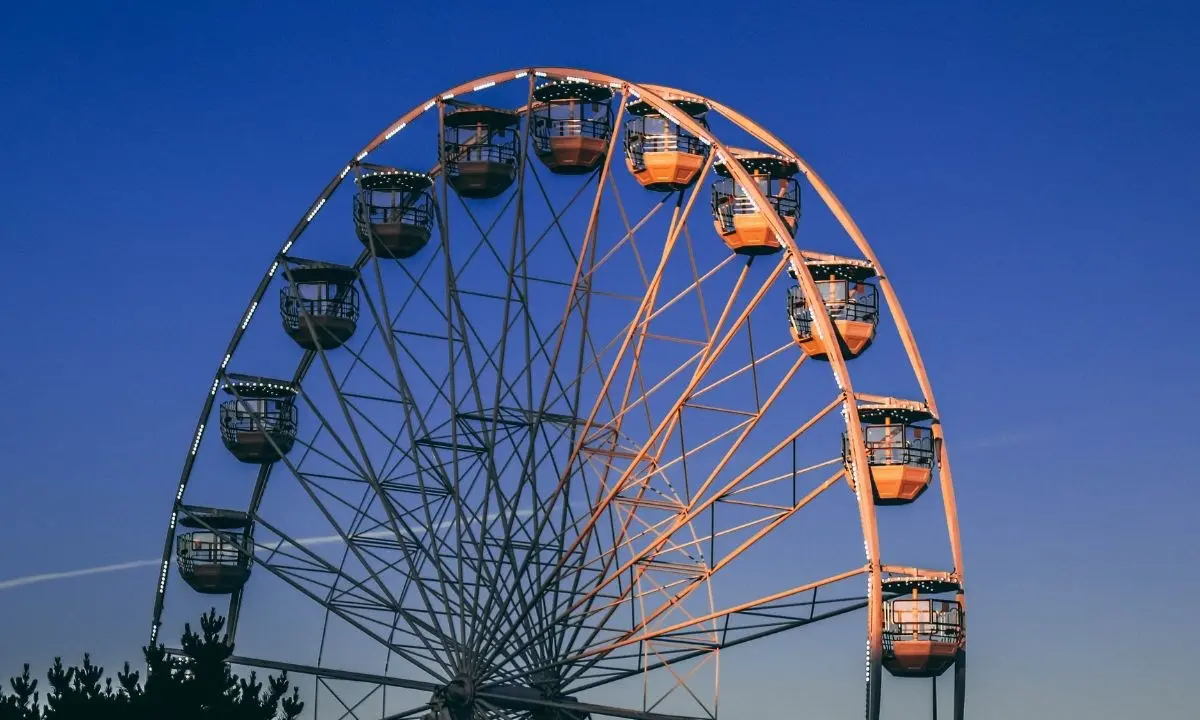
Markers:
(546, 436)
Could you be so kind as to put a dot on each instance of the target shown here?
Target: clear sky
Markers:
(1025, 164)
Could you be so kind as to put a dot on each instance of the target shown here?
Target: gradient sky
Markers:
(1025, 163)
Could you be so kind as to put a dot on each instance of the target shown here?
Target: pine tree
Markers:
(200, 685)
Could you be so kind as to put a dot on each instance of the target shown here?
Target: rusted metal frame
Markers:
(589, 240)
(475, 640)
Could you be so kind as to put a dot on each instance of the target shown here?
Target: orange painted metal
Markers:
(667, 169)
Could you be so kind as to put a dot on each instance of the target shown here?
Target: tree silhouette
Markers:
(197, 686)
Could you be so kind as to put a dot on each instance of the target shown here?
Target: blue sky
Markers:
(1022, 168)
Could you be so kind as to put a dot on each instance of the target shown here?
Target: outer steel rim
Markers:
(655, 96)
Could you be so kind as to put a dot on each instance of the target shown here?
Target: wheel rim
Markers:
(451, 648)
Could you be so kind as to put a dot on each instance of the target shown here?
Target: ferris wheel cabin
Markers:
(900, 448)
(393, 211)
(922, 636)
(258, 426)
(319, 304)
(851, 302)
(738, 220)
(662, 155)
(572, 124)
(214, 558)
(480, 150)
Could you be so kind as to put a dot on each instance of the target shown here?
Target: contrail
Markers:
(48, 577)
(134, 564)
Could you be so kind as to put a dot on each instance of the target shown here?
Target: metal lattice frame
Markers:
(635, 544)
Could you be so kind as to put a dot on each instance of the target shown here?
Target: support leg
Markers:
(874, 676)
(960, 684)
